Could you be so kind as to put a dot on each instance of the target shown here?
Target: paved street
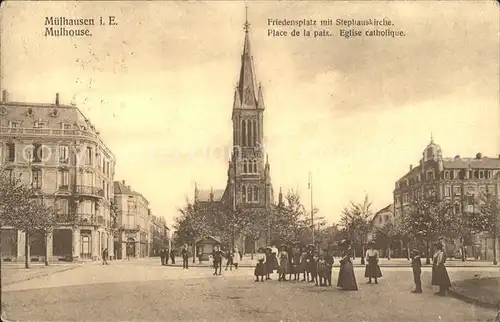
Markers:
(143, 290)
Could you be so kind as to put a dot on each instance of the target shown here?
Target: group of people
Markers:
(232, 257)
(165, 254)
(294, 260)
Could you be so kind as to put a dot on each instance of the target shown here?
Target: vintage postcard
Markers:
(250, 161)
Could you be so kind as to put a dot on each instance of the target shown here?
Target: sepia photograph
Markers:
(250, 161)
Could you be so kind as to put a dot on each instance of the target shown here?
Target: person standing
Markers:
(347, 279)
(268, 263)
(105, 256)
(416, 265)
(162, 256)
(439, 274)
(185, 257)
(236, 258)
(260, 267)
(229, 257)
(329, 263)
(166, 253)
(372, 269)
(296, 264)
(283, 269)
(172, 256)
(217, 256)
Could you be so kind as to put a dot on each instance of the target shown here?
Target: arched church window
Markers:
(255, 133)
(243, 132)
(245, 166)
(250, 132)
(254, 166)
(255, 193)
(244, 193)
(249, 194)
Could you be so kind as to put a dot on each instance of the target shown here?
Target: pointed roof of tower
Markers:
(247, 85)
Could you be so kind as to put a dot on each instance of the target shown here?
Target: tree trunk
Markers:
(26, 250)
(408, 250)
(46, 251)
(363, 254)
(427, 250)
(495, 261)
(464, 255)
(194, 253)
(389, 252)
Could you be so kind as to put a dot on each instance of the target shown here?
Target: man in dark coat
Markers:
(162, 256)
(185, 257)
(416, 265)
(217, 256)
(172, 255)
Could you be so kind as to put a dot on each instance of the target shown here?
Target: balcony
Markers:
(88, 191)
(86, 219)
(48, 132)
(131, 227)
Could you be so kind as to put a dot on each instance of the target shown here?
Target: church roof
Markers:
(204, 194)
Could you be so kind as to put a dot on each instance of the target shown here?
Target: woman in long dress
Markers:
(236, 258)
(439, 274)
(260, 268)
(283, 269)
(372, 268)
(347, 279)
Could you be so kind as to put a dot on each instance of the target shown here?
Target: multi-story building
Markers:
(160, 234)
(56, 149)
(135, 225)
(248, 176)
(457, 179)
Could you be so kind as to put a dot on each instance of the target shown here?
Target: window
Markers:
(255, 193)
(447, 175)
(244, 194)
(88, 156)
(63, 206)
(430, 175)
(11, 152)
(405, 198)
(250, 133)
(37, 152)
(14, 124)
(481, 174)
(458, 208)
(255, 134)
(254, 166)
(456, 191)
(39, 124)
(249, 194)
(243, 132)
(131, 207)
(66, 126)
(63, 153)
(447, 191)
(63, 179)
(245, 166)
(36, 178)
(430, 153)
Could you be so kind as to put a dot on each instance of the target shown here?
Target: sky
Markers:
(355, 112)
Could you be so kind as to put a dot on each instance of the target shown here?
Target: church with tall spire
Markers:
(249, 171)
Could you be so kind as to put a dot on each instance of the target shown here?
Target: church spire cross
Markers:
(246, 25)
(432, 138)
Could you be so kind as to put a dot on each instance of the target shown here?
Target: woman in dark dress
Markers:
(269, 264)
(439, 274)
(372, 268)
(347, 279)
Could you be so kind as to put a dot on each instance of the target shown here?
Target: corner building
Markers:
(57, 150)
(457, 179)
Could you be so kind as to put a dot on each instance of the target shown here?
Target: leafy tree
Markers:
(357, 223)
(257, 225)
(290, 220)
(429, 220)
(487, 218)
(385, 235)
(191, 224)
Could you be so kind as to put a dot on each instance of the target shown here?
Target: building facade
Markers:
(248, 176)
(57, 150)
(456, 179)
(138, 233)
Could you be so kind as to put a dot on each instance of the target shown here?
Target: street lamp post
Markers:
(312, 209)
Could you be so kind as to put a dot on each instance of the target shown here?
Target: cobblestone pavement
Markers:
(124, 291)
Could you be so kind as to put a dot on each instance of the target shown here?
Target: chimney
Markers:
(457, 156)
(479, 155)
(123, 182)
(5, 96)
(411, 167)
(57, 98)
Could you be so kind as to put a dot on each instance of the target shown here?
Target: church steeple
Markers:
(246, 86)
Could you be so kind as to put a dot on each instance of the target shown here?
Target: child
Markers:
(416, 265)
(322, 271)
(260, 269)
